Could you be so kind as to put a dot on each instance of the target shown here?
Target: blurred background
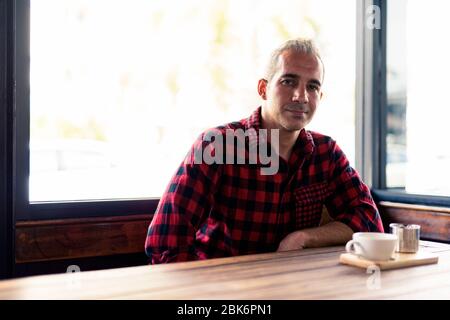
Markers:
(121, 89)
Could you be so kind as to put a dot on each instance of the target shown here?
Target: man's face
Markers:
(293, 94)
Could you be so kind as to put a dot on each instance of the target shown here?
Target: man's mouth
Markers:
(297, 112)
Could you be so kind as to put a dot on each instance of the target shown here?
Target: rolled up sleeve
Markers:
(184, 205)
(351, 202)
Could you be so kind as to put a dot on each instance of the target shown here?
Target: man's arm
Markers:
(330, 234)
(350, 201)
(350, 205)
(182, 209)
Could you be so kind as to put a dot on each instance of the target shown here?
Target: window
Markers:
(120, 89)
(417, 150)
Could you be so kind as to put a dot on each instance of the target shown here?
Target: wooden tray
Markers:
(400, 260)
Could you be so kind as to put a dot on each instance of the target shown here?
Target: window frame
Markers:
(370, 146)
(6, 96)
(371, 96)
(51, 209)
(371, 111)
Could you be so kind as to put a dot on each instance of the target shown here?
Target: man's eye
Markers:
(313, 87)
(287, 82)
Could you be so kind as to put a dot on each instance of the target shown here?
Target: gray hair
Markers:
(299, 45)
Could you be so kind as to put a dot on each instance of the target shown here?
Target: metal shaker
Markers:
(408, 237)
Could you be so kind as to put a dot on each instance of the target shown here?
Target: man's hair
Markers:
(299, 45)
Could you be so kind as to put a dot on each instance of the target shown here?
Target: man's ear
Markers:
(262, 88)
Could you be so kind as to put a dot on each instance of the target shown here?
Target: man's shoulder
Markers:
(326, 145)
(248, 124)
(222, 129)
(235, 125)
(321, 139)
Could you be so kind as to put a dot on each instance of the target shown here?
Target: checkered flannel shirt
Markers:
(217, 210)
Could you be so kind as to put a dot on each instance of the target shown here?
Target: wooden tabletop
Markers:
(305, 274)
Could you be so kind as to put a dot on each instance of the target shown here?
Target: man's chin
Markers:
(293, 126)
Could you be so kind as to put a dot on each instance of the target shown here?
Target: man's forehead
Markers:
(291, 62)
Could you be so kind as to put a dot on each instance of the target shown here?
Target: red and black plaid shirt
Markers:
(217, 210)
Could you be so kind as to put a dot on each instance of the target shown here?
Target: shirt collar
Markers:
(305, 142)
(254, 121)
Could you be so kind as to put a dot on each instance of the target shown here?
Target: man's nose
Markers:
(300, 95)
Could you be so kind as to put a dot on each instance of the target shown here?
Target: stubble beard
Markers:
(288, 125)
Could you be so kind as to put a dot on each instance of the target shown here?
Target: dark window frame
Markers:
(371, 111)
(56, 209)
(370, 124)
(370, 96)
(6, 96)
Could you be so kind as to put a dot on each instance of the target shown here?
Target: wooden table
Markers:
(305, 274)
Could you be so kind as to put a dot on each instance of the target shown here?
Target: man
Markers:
(217, 208)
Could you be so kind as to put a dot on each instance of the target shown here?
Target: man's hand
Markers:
(293, 241)
(331, 234)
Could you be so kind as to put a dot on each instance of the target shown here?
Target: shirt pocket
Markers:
(309, 201)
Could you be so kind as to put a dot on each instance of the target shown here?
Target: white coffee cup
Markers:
(372, 245)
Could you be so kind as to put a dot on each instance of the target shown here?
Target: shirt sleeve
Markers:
(183, 207)
(351, 202)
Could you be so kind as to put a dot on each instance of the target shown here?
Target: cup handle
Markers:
(350, 246)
